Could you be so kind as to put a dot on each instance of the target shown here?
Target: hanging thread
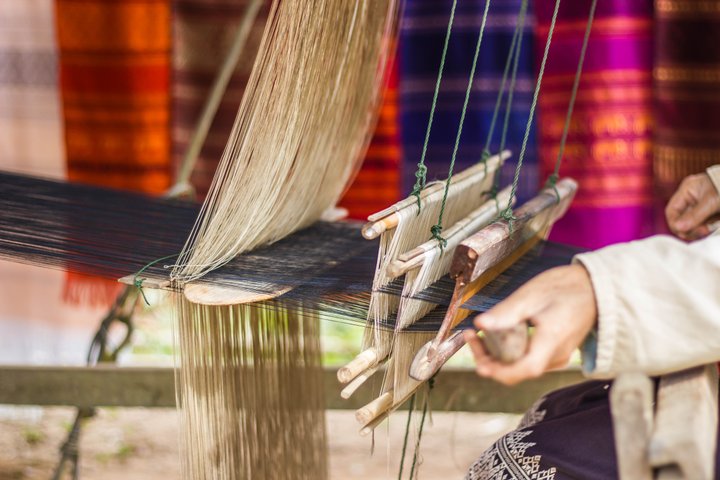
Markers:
(421, 172)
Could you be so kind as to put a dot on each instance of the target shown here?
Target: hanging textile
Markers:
(114, 73)
(29, 100)
(421, 40)
(686, 79)
(377, 184)
(203, 31)
(609, 144)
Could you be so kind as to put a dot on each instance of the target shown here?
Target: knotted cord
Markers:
(421, 172)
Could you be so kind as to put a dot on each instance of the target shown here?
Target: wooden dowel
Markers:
(358, 381)
(493, 163)
(364, 360)
(375, 408)
(477, 219)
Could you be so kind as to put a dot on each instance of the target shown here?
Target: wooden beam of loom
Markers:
(112, 386)
(480, 259)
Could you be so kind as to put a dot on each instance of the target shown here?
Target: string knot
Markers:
(420, 181)
(509, 217)
(137, 283)
(436, 231)
(552, 183)
(484, 158)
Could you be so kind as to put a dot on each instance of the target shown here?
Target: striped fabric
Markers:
(609, 150)
(421, 41)
(377, 184)
(202, 33)
(115, 78)
(686, 78)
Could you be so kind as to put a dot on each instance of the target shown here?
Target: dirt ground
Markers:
(141, 444)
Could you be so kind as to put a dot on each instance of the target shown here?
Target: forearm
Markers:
(658, 305)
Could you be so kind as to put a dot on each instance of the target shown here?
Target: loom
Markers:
(258, 269)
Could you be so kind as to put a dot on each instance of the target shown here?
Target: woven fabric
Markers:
(609, 148)
(30, 122)
(203, 31)
(686, 77)
(115, 78)
(421, 42)
(377, 183)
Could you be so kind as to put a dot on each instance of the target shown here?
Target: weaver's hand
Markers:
(559, 303)
(694, 202)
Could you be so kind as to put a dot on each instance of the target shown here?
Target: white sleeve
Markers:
(658, 305)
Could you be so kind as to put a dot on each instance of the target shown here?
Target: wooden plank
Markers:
(631, 406)
(112, 386)
(685, 430)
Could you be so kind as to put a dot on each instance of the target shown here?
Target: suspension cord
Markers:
(507, 214)
(436, 230)
(553, 178)
(421, 172)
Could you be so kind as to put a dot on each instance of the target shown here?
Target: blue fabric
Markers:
(421, 41)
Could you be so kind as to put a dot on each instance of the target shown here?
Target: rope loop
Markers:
(484, 158)
(138, 282)
(436, 231)
(509, 217)
(420, 182)
(552, 183)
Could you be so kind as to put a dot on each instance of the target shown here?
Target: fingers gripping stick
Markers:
(506, 346)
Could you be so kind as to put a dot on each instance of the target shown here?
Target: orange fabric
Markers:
(377, 184)
(115, 77)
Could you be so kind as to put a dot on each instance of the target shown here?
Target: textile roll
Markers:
(686, 79)
(609, 149)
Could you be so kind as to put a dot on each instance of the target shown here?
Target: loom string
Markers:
(137, 281)
(553, 178)
(431, 385)
(421, 172)
(512, 59)
(407, 434)
(507, 214)
(436, 230)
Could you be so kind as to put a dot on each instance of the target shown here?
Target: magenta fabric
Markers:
(609, 148)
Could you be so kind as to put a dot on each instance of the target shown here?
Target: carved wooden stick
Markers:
(377, 407)
(481, 258)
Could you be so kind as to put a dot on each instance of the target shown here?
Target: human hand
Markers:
(559, 303)
(694, 202)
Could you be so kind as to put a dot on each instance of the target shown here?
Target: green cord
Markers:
(553, 178)
(137, 281)
(421, 172)
(431, 385)
(507, 213)
(522, 16)
(501, 93)
(407, 434)
(436, 230)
